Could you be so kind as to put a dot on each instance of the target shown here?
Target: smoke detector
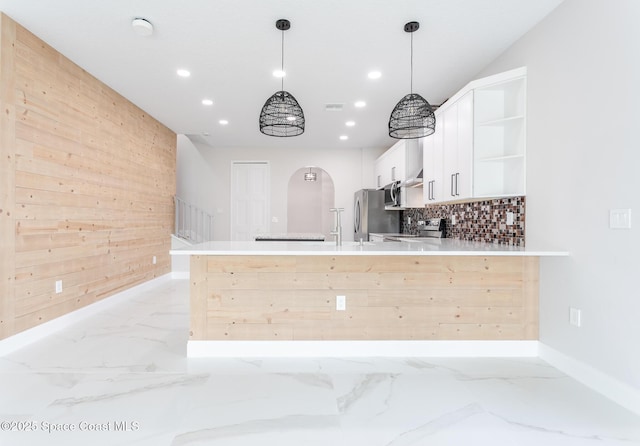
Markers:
(334, 107)
(142, 27)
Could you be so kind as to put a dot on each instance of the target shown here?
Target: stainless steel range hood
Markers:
(414, 180)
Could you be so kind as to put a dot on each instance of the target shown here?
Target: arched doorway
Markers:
(309, 201)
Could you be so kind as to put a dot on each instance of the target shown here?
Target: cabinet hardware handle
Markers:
(433, 186)
(452, 179)
(457, 176)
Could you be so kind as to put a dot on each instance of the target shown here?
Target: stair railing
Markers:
(192, 223)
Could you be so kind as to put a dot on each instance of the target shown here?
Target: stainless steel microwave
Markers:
(392, 194)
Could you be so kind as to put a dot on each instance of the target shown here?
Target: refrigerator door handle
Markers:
(356, 216)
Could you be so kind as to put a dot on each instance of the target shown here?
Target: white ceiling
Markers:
(232, 47)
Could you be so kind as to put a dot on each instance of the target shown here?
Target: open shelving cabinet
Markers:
(500, 138)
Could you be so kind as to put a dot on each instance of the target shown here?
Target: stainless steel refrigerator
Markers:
(369, 215)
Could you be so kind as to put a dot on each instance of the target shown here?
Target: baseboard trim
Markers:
(352, 349)
(46, 329)
(623, 394)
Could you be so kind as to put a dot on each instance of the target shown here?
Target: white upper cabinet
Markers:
(382, 170)
(478, 148)
(401, 161)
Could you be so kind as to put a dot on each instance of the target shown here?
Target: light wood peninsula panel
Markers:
(87, 180)
(412, 297)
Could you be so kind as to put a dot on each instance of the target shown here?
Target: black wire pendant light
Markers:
(413, 116)
(281, 115)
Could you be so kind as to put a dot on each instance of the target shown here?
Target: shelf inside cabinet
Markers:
(501, 121)
(499, 177)
(500, 102)
(500, 158)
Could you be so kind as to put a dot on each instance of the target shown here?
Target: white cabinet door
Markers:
(427, 167)
(382, 170)
(432, 187)
(464, 179)
(450, 150)
(458, 149)
(397, 161)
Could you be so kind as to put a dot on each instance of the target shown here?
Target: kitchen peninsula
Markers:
(441, 290)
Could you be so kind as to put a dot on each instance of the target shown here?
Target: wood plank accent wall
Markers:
(388, 298)
(87, 180)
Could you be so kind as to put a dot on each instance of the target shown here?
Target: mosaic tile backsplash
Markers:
(484, 221)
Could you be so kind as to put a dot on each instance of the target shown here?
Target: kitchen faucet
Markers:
(337, 232)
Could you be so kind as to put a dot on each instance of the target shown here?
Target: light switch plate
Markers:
(575, 317)
(58, 286)
(341, 303)
(620, 219)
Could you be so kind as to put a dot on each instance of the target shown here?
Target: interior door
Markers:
(250, 206)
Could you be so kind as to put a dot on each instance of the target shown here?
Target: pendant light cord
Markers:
(411, 89)
(282, 63)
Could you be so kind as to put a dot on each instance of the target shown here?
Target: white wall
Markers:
(583, 159)
(203, 174)
(309, 203)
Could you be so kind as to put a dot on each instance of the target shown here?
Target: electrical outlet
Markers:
(58, 286)
(408, 220)
(154, 260)
(453, 219)
(341, 303)
(509, 218)
(575, 317)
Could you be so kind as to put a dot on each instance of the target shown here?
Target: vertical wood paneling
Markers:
(531, 296)
(388, 297)
(7, 176)
(89, 183)
(199, 297)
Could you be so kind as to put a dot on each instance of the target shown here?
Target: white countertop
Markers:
(436, 247)
(292, 236)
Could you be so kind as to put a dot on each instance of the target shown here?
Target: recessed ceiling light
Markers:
(360, 104)
(183, 73)
(350, 123)
(343, 137)
(142, 27)
(374, 75)
(207, 102)
(223, 122)
(279, 73)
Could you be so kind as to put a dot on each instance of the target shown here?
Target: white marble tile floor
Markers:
(122, 378)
